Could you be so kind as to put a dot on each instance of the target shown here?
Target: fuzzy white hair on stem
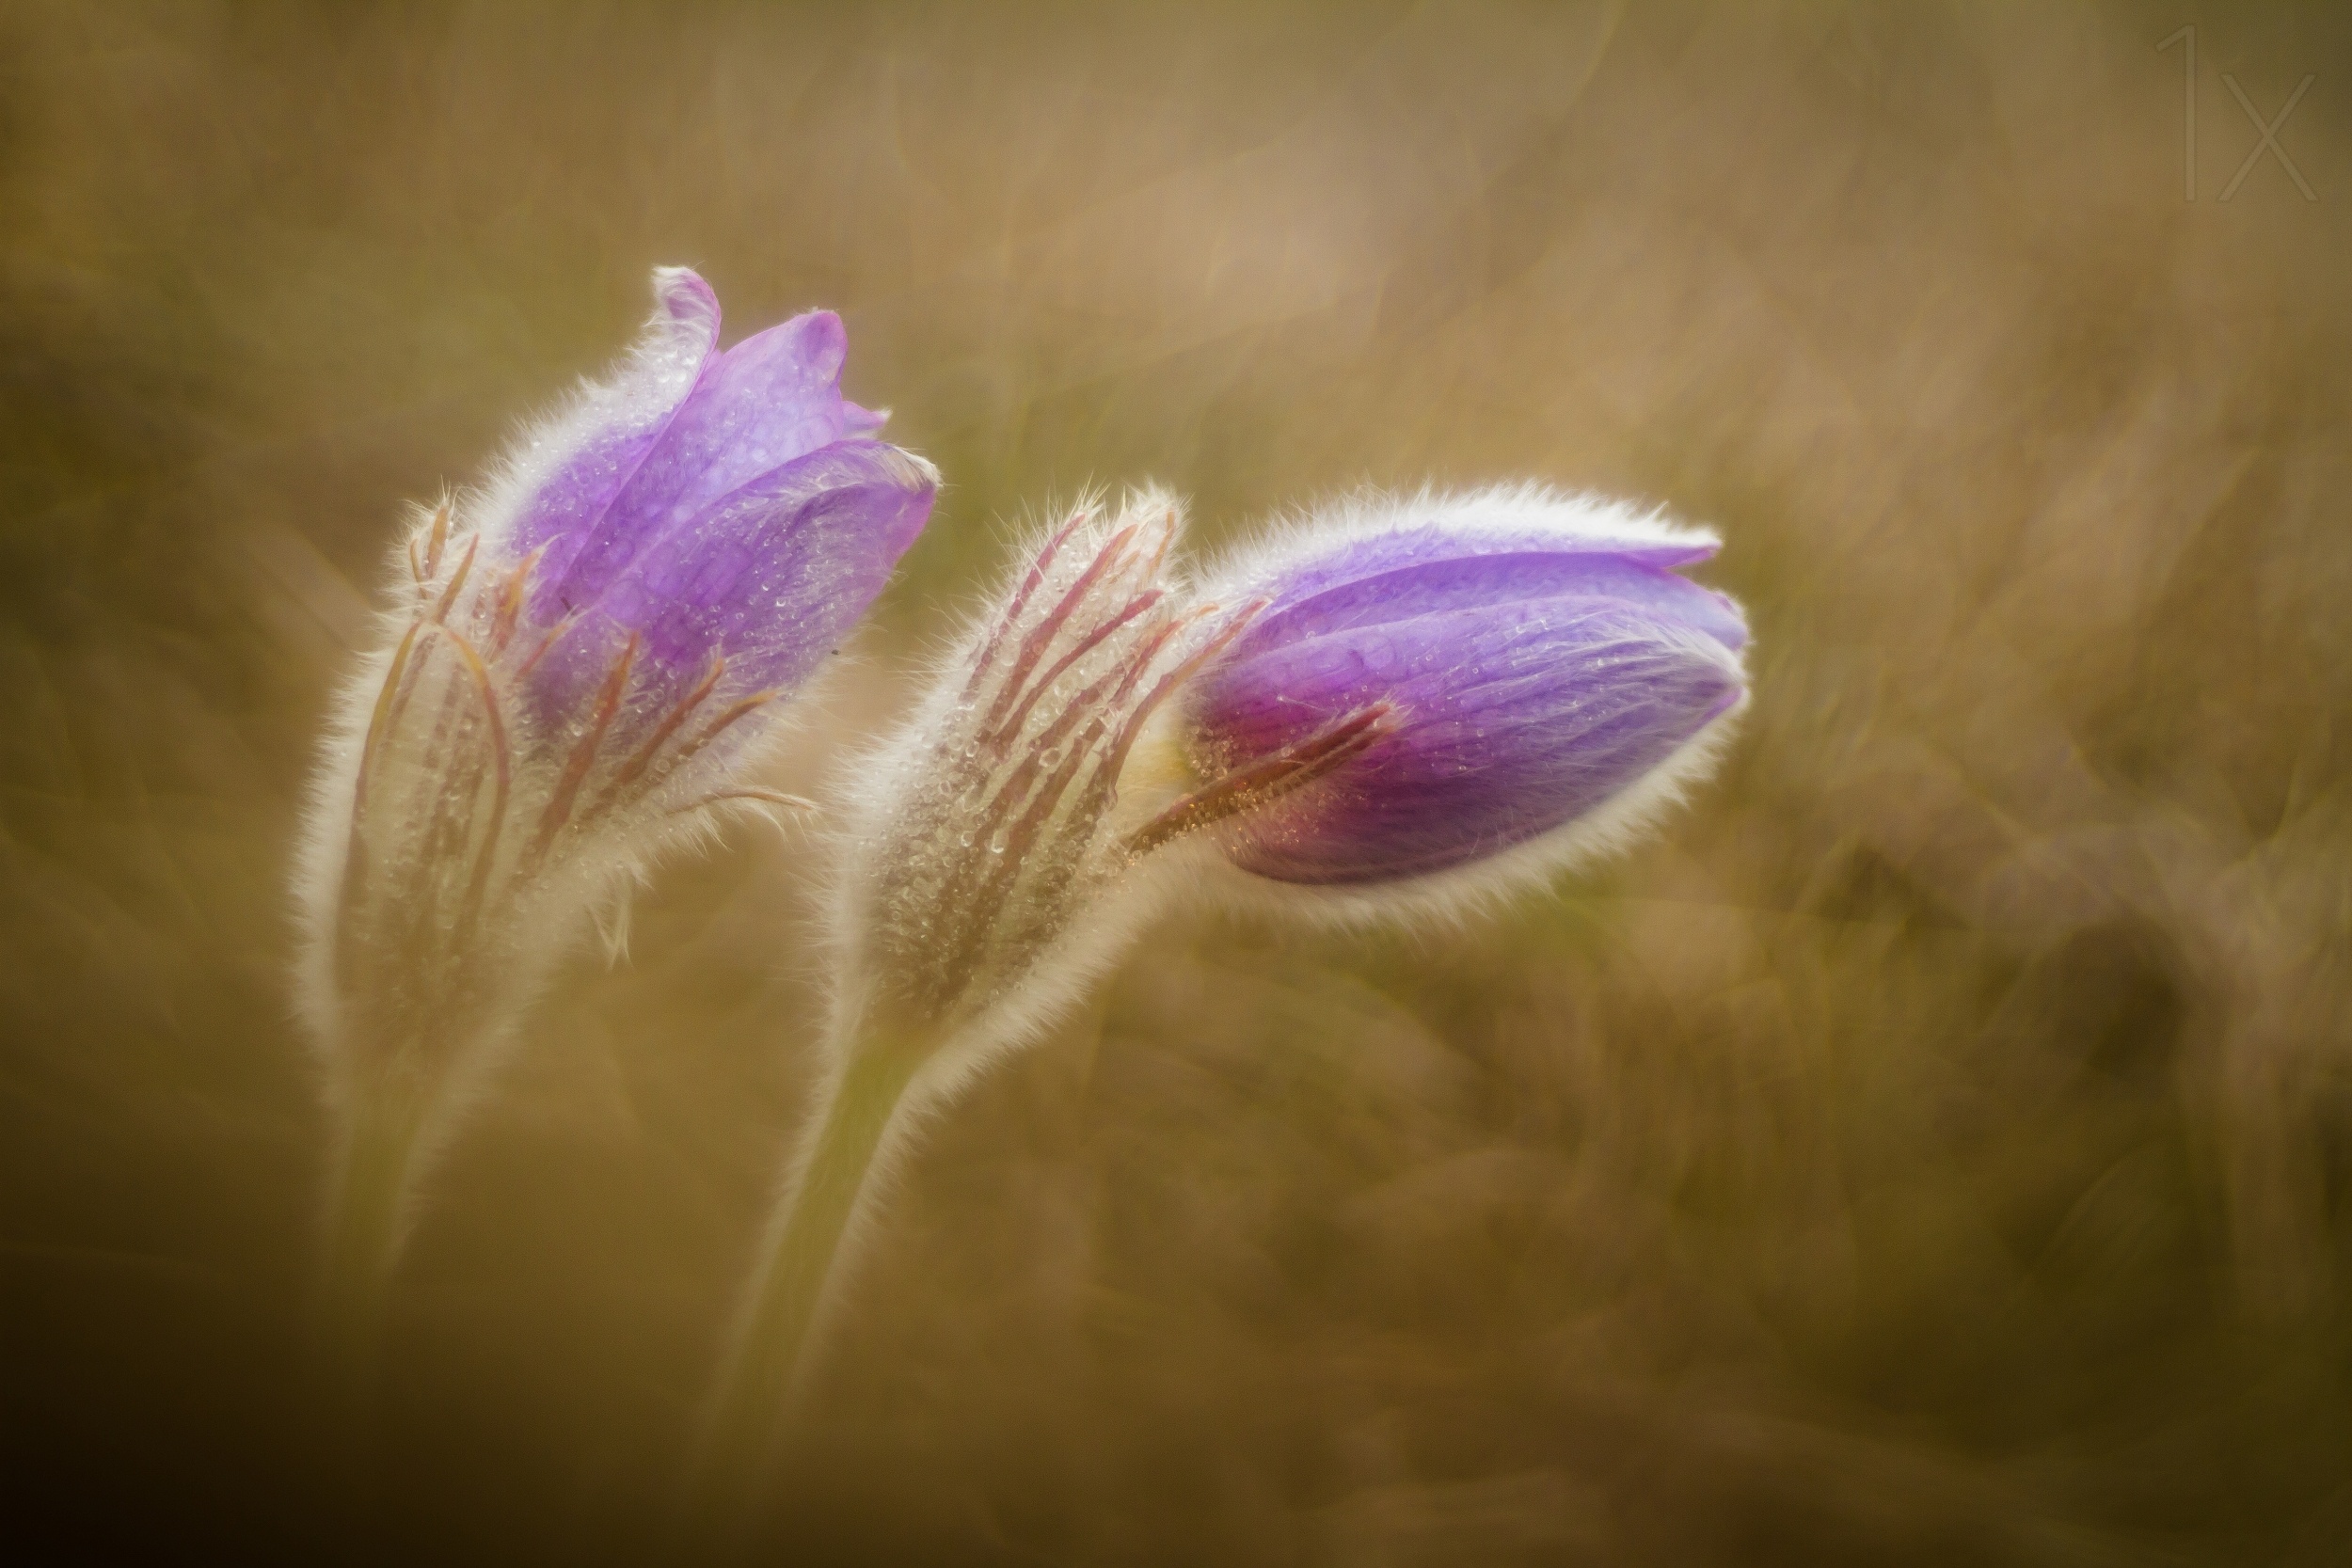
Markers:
(531, 907)
(1030, 740)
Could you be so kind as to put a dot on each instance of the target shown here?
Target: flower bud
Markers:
(1541, 678)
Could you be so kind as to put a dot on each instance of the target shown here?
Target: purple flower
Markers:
(585, 653)
(1374, 703)
(702, 507)
(1432, 683)
(656, 566)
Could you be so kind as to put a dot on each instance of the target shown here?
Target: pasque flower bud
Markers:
(1544, 681)
(1395, 703)
(583, 653)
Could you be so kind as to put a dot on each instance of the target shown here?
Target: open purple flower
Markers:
(702, 512)
(1435, 683)
(590, 648)
(585, 653)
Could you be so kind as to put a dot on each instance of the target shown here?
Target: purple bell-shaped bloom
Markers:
(703, 511)
(592, 643)
(581, 655)
(1503, 679)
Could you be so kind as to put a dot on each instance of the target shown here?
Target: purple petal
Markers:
(618, 424)
(772, 576)
(1516, 717)
(1427, 570)
(772, 399)
(1420, 543)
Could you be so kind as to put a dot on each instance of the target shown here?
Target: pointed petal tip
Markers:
(894, 466)
(824, 341)
(809, 349)
(926, 473)
(681, 294)
(1733, 632)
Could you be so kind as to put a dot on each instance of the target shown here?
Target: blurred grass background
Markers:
(1938, 1150)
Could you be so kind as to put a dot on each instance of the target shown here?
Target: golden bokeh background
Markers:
(1937, 1149)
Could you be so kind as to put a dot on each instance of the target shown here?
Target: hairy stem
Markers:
(770, 1351)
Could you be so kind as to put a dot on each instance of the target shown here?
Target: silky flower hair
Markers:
(582, 656)
(1549, 683)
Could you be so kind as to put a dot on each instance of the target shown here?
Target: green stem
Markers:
(366, 1214)
(745, 1420)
